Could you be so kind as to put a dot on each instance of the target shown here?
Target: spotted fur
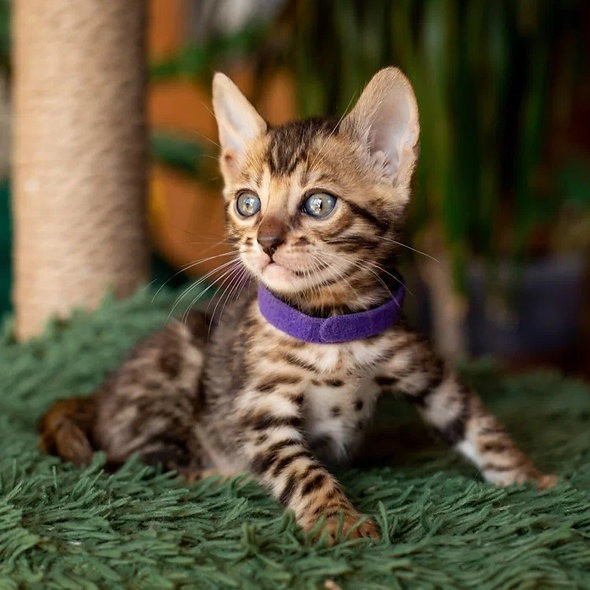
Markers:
(250, 397)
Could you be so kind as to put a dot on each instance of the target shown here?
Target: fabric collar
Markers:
(334, 329)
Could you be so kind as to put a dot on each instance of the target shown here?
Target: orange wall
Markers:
(186, 218)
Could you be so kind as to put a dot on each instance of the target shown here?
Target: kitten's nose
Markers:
(270, 243)
(271, 234)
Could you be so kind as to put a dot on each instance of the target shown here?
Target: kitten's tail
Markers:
(66, 429)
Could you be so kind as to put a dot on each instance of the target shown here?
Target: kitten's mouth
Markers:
(274, 267)
(278, 276)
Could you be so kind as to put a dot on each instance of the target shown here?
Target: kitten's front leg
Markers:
(277, 454)
(456, 413)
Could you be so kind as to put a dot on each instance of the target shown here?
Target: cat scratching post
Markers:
(79, 155)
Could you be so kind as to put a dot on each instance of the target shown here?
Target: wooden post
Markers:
(79, 155)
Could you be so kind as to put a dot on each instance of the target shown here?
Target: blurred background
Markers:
(502, 190)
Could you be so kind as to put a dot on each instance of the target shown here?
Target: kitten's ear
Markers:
(238, 121)
(385, 119)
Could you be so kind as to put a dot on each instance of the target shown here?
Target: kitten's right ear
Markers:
(238, 122)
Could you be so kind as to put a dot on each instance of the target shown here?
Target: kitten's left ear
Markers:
(385, 119)
(238, 121)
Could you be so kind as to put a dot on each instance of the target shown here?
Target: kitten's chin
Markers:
(278, 278)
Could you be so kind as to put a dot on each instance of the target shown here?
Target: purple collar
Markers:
(334, 329)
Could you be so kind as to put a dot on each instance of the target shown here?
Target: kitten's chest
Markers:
(336, 413)
(340, 399)
(341, 360)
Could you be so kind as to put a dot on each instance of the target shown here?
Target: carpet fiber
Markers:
(64, 527)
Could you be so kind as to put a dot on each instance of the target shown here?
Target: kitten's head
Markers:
(314, 206)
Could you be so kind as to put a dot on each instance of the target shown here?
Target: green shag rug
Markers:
(64, 527)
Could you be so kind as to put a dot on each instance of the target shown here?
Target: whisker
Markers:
(335, 273)
(410, 248)
(396, 278)
(244, 278)
(319, 266)
(357, 264)
(231, 280)
(186, 267)
(236, 283)
(220, 279)
(316, 289)
(206, 289)
(378, 267)
(200, 281)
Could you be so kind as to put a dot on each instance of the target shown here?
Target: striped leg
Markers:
(458, 415)
(278, 456)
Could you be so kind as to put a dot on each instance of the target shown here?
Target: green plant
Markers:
(196, 62)
(489, 77)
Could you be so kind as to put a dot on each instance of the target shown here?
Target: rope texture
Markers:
(79, 158)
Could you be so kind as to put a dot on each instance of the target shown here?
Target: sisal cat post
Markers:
(79, 155)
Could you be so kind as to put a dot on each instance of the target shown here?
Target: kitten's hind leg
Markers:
(151, 403)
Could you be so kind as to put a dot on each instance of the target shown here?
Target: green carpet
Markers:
(64, 527)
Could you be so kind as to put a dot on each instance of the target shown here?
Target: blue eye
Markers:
(319, 205)
(248, 204)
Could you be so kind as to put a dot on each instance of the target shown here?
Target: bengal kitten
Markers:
(314, 210)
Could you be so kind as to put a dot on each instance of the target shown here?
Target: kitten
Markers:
(287, 382)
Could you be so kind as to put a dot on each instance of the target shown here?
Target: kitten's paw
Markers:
(546, 481)
(195, 475)
(368, 529)
(530, 475)
(542, 481)
(348, 526)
